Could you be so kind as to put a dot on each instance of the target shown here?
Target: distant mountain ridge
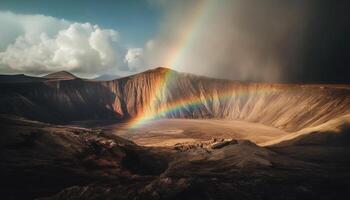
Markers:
(288, 106)
(106, 77)
(61, 75)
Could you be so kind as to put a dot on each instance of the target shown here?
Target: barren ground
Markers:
(168, 132)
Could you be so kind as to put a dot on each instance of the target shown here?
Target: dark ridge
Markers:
(19, 78)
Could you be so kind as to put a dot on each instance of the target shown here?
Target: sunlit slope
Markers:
(335, 132)
(291, 107)
(162, 93)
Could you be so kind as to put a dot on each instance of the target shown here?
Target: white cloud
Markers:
(31, 26)
(135, 59)
(38, 44)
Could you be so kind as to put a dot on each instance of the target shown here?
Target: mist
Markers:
(271, 41)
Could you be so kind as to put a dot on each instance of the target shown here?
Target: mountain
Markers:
(106, 77)
(62, 75)
(19, 78)
(172, 94)
(310, 160)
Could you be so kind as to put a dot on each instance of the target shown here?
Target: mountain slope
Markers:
(286, 106)
(335, 132)
(290, 107)
(40, 159)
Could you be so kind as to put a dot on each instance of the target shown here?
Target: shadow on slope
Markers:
(227, 169)
(328, 143)
(64, 162)
(39, 159)
(58, 101)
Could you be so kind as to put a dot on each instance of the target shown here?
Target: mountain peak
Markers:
(161, 70)
(61, 75)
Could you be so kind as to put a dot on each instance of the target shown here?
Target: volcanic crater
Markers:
(163, 134)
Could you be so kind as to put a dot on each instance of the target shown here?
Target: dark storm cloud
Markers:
(270, 39)
(326, 47)
(263, 40)
(308, 40)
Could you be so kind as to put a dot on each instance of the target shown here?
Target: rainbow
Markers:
(172, 107)
(188, 33)
(176, 54)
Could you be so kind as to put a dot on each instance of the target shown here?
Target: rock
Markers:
(218, 145)
(246, 142)
(233, 141)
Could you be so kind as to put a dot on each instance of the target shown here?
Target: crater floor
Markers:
(168, 132)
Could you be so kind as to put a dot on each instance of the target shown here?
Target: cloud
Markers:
(38, 44)
(29, 25)
(135, 59)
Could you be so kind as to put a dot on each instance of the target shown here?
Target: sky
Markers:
(129, 17)
(248, 40)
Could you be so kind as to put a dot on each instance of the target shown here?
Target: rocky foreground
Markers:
(45, 161)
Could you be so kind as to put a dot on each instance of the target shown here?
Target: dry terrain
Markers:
(56, 162)
(168, 132)
(66, 138)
